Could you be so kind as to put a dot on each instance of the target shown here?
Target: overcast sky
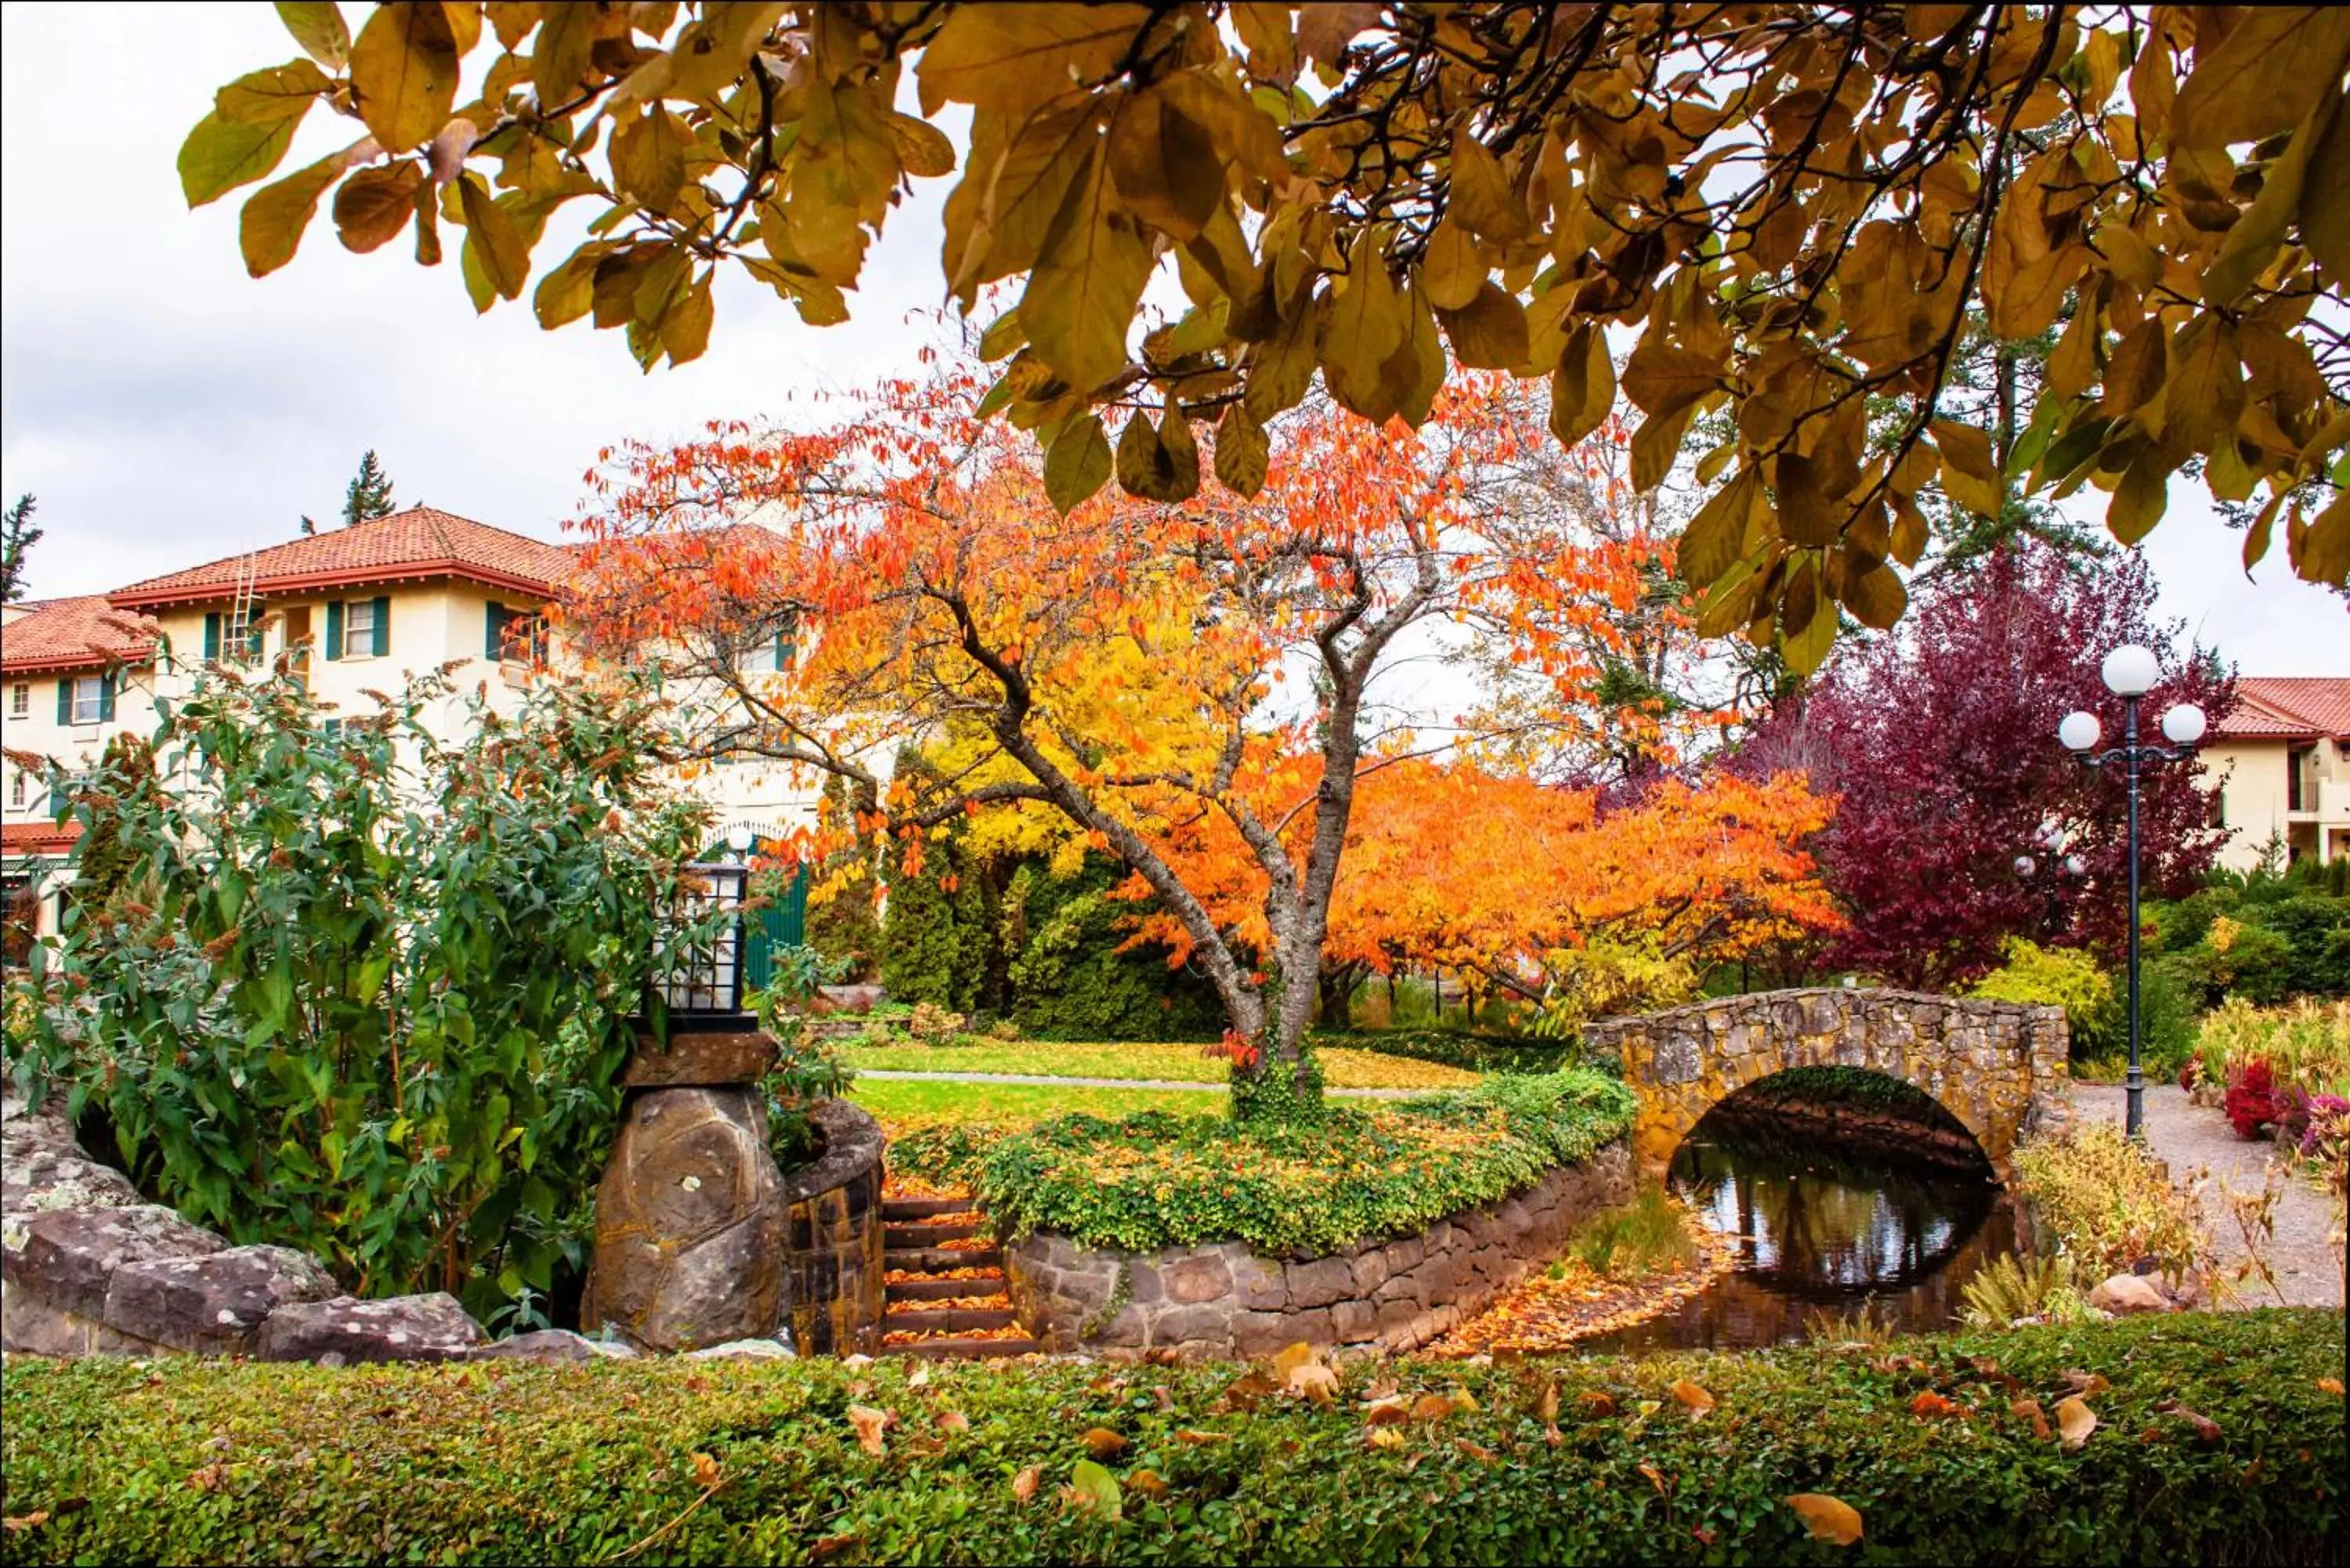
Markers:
(168, 409)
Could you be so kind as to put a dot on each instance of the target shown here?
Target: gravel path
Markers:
(1111, 1083)
(2185, 1134)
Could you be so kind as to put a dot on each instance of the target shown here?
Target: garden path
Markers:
(1112, 1083)
(2185, 1134)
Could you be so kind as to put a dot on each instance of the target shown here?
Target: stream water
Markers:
(1823, 1230)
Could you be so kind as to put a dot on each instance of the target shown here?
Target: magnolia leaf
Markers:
(1015, 57)
(504, 255)
(1655, 445)
(281, 92)
(565, 294)
(1096, 1489)
(1807, 516)
(1369, 322)
(868, 1424)
(2136, 373)
(1807, 648)
(1730, 601)
(317, 26)
(685, 325)
(404, 74)
(1139, 456)
(2254, 239)
(1876, 598)
(2321, 550)
(1242, 133)
(1242, 451)
(1829, 1519)
(2204, 396)
(1452, 268)
(1909, 533)
(270, 228)
(923, 150)
(1489, 332)
(1582, 389)
(1024, 1484)
(1165, 166)
(220, 154)
(1081, 297)
(2138, 499)
(1664, 378)
(1481, 194)
(2075, 1421)
(2325, 194)
(1078, 464)
(1716, 536)
(1003, 336)
(2256, 537)
(649, 158)
(560, 58)
(2270, 70)
(1432, 1408)
(373, 205)
(1970, 475)
(1692, 1395)
(1105, 1444)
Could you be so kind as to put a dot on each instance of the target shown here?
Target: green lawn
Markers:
(1174, 1062)
(900, 1103)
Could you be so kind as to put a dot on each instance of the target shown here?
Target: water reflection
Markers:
(1823, 1230)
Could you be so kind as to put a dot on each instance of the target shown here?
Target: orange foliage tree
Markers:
(1140, 667)
(1503, 877)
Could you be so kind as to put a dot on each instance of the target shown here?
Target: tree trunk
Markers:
(1337, 1003)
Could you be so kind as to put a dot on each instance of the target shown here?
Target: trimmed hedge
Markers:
(487, 1463)
(1156, 1180)
(1459, 1048)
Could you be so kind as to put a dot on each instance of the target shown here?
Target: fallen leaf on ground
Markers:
(2030, 1410)
(1024, 1484)
(2085, 1383)
(1096, 1488)
(1432, 1407)
(1313, 1380)
(1929, 1404)
(2204, 1428)
(206, 1479)
(1546, 1406)
(1655, 1477)
(705, 1471)
(1383, 1437)
(1830, 1519)
(2075, 1421)
(1594, 1403)
(1391, 1412)
(869, 1423)
(33, 1521)
(1198, 1438)
(1477, 1452)
(2330, 1385)
(953, 1421)
(1148, 1483)
(1104, 1444)
(1695, 1397)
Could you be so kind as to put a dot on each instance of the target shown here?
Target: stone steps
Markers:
(947, 1320)
(925, 1208)
(913, 1229)
(931, 1259)
(941, 1289)
(965, 1349)
(929, 1234)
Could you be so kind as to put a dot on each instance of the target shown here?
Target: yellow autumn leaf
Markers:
(868, 1424)
(1829, 1519)
(2075, 1421)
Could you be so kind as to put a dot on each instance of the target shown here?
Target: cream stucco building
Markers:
(353, 609)
(2282, 759)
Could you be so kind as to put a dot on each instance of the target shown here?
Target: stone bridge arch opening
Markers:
(1997, 1068)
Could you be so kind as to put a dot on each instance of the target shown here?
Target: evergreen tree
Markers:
(369, 495)
(847, 926)
(17, 536)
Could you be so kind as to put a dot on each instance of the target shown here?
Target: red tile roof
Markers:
(37, 837)
(2289, 708)
(419, 542)
(85, 633)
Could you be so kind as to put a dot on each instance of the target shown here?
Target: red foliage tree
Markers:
(1940, 745)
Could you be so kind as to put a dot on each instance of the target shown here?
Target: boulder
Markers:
(716, 1059)
(551, 1345)
(690, 1224)
(347, 1331)
(745, 1350)
(69, 1257)
(212, 1305)
(36, 1178)
(2122, 1294)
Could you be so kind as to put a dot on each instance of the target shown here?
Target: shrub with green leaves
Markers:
(1586, 1460)
(1156, 1179)
(2068, 978)
(374, 997)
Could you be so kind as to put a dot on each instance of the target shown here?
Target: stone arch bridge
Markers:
(1998, 1067)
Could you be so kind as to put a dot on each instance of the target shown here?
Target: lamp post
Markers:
(2131, 672)
(2052, 838)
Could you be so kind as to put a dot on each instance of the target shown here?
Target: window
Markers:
(20, 701)
(234, 634)
(20, 788)
(358, 629)
(2300, 779)
(2219, 808)
(86, 700)
(767, 653)
(515, 637)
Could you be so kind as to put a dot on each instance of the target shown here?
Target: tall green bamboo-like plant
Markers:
(380, 1004)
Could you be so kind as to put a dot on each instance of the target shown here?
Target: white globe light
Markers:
(2025, 866)
(738, 838)
(2052, 835)
(2075, 866)
(2079, 732)
(2131, 670)
(2184, 724)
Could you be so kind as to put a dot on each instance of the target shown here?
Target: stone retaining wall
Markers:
(833, 1236)
(1222, 1300)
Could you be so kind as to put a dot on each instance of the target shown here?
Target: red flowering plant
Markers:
(2252, 1101)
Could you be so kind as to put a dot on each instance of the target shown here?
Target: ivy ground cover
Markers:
(1173, 1062)
(2172, 1439)
(1156, 1180)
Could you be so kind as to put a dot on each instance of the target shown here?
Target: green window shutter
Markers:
(59, 804)
(65, 702)
(335, 629)
(253, 633)
(106, 699)
(382, 626)
(493, 634)
(786, 641)
(211, 636)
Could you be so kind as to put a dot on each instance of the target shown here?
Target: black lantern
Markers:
(703, 991)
